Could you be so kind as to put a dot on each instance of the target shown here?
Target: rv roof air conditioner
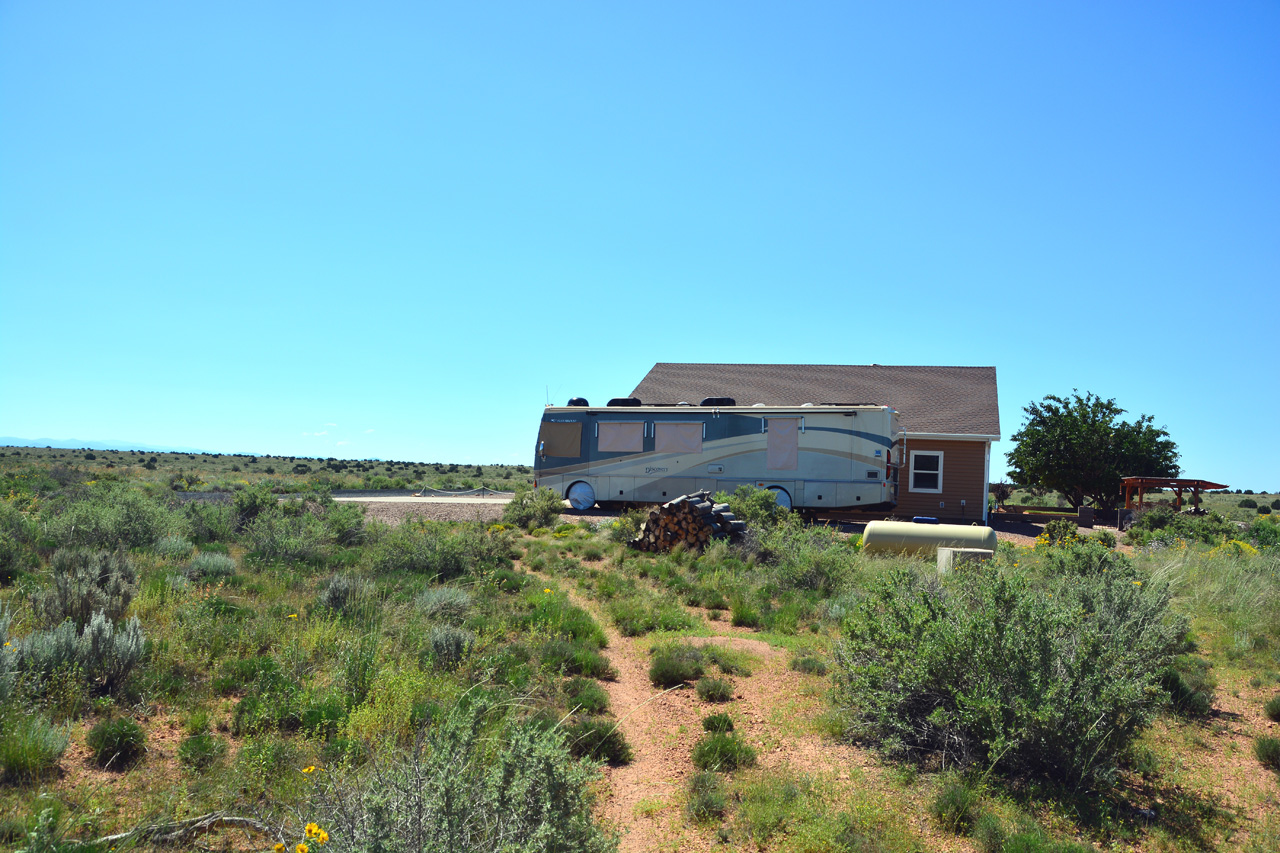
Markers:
(623, 402)
(719, 401)
(578, 401)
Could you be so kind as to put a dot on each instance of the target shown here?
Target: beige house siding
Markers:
(963, 477)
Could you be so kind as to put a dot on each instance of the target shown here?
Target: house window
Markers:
(926, 471)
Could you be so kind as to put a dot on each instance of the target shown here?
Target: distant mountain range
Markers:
(78, 443)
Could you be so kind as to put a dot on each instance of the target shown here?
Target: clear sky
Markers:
(393, 229)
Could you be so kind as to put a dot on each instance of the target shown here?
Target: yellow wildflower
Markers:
(301, 848)
(279, 847)
(322, 837)
(312, 829)
(292, 616)
(309, 769)
(1137, 583)
(546, 590)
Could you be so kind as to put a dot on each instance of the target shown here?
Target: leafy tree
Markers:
(1080, 448)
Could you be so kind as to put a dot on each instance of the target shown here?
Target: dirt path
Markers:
(774, 709)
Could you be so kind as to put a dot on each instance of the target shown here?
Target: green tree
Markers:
(1080, 448)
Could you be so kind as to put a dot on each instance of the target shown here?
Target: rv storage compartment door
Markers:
(784, 444)
(561, 439)
(621, 437)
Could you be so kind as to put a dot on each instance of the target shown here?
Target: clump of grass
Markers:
(674, 664)
(707, 800)
(743, 614)
(722, 752)
(199, 752)
(989, 833)
(714, 690)
(30, 747)
(636, 618)
(173, 547)
(809, 665)
(586, 695)
(730, 661)
(599, 739)
(575, 658)
(117, 743)
(1272, 708)
(1267, 750)
(955, 806)
(720, 722)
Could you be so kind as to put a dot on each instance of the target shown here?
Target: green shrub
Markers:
(449, 645)
(30, 747)
(554, 613)
(1265, 532)
(199, 752)
(707, 800)
(1267, 750)
(1189, 685)
(252, 502)
(722, 752)
(1161, 524)
(809, 665)
(1264, 510)
(114, 515)
(584, 694)
(674, 664)
(1272, 708)
(441, 550)
(531, 508)
(173, 547)
(341, 595)
(714, 690)
(757, 507)
(210, 566)
(444, 604)
(276, 537)
(955, 805)
(470, 783)
(87, 582)
(598, 739)
(1060, 530)
(1105, 538)
(105, 654)
(1247, 503)
(992, 670)
(627, 526)
(117, 743)
(210, 522)
(720, 722)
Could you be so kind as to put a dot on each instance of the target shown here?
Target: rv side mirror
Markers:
(541, 449)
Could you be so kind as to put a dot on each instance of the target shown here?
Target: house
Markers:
(950, 414)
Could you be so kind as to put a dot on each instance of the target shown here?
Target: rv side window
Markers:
(783, 447)
(926, 471)
(680, 437)
(561, 439)
(621, 437)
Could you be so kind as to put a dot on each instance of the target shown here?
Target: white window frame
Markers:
(911, 479)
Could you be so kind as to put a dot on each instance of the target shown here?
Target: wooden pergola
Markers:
(1141, 484)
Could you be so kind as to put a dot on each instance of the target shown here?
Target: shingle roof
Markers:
(947, 400)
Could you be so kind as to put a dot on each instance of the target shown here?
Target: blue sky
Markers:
(391, 230)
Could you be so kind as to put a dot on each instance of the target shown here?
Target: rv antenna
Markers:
(548, 387)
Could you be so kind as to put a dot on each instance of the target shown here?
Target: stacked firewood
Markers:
(689, 520)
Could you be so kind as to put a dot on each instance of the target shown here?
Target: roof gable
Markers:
(943, 400)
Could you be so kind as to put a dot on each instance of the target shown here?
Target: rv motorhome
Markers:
(817, 457)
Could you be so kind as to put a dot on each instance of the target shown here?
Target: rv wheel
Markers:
(781, 496)
(582, 496)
